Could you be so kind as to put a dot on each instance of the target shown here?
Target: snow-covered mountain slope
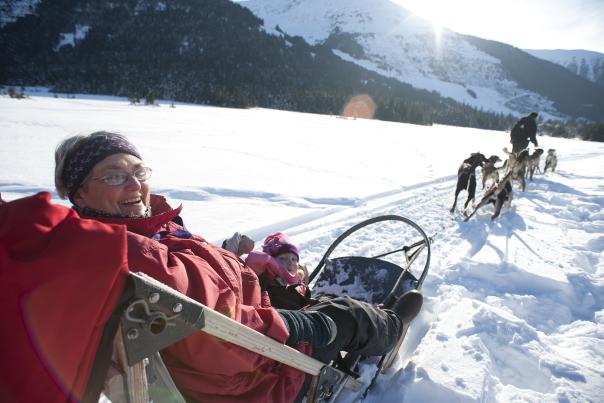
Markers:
(585, 63)
(383, 36)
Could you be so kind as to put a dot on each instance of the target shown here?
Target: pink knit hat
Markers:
(278, 243)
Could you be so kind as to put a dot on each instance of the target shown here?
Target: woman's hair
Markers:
(67, 148)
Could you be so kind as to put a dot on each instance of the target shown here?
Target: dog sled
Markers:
(375, 280)
(153, 316)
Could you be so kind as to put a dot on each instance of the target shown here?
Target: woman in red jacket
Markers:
(105, 178)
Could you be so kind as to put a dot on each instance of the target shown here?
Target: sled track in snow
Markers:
(456, 243)
(410, 202)
(427, 204)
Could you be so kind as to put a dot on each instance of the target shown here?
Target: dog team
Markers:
(519, 165)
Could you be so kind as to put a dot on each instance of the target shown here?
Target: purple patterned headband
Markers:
(94, 150)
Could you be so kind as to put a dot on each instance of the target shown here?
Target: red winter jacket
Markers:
(58, 286)
(203, 367)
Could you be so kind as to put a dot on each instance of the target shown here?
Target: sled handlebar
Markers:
(424, 241)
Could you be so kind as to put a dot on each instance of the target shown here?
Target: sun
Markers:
(438, 30)
(458, 15)
(436, 12)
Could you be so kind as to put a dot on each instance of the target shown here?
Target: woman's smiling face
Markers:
(128, 198)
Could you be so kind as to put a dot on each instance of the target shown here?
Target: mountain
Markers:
(585, 63)
(384, 37)
(210, 52)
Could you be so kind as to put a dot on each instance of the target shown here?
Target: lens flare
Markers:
(359, 106)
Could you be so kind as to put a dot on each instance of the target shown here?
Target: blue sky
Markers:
(528, 24)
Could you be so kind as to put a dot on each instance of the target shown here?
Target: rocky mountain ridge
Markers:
(584, 63)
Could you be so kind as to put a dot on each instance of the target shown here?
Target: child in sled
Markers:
(278, 269)
(281, 275)
(286, 281)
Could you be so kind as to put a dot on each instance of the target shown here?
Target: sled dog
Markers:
(511, 158)
(533, 163)
(489, 171)
(551, 160)
(518, 168)
(466, 177)
(517, 163)
(499, 194)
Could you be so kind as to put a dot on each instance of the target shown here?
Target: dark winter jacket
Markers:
(524, 130)
(76, 271)
(285, 290)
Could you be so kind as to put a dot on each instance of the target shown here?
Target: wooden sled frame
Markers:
(157, 316)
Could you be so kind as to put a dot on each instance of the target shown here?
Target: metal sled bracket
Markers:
(328, 385)
(156, 317)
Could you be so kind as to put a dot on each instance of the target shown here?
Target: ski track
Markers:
(453, 273)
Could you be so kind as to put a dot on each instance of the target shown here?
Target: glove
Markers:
(313, 327)
(238, 244)
(246, 245)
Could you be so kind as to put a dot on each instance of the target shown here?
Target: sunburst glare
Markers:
(438, 30)
(437, 15)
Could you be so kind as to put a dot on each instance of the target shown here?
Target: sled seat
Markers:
(362, 278)
(367, 279)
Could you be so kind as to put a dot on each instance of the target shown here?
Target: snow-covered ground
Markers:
(514, 309)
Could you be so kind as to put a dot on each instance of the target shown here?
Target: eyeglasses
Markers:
(119, 178)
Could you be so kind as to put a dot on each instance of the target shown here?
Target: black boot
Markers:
(408, 305)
